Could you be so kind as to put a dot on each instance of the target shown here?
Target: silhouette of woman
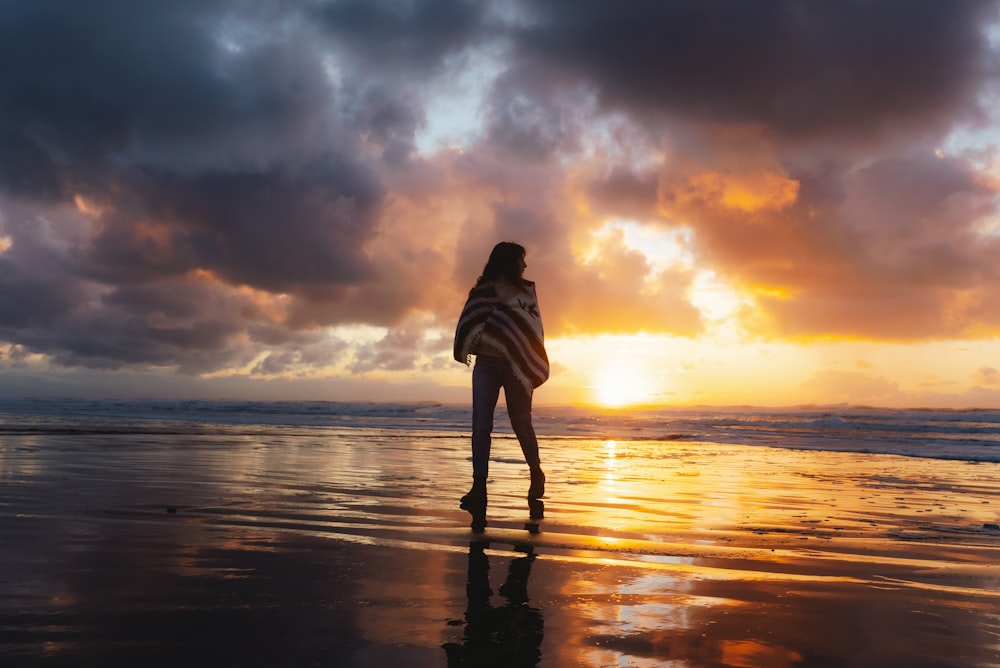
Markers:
(502, 326)
(509, 635)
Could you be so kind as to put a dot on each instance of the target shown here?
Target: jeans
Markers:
(488, 376)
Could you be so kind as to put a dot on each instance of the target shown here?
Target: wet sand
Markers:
(307, 547)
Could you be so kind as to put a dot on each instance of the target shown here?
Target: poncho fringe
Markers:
(512, 328)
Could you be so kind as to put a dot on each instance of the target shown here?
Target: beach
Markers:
(147, 542)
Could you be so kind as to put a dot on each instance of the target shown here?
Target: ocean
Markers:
(964, 435)
(223, 533)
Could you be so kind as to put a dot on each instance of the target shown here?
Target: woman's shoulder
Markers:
(506, 284)
(508, 291)
(483, 289)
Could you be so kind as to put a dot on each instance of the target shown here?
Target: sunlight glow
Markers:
(663, 248)
(725, 368)
(714, 298)
(621, 383)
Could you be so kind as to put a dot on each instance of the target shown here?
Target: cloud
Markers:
(897, 257)
(310, 353)
(398, 350)
(881, 249)
(618, 292)
(208, 186)
(987, 376)
(848, 70)
(275, 229)
(851, 387)
(414, 37)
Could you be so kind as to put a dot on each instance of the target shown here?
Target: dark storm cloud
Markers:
(387, 118)
(83, 80)
(831, 67)
(38, 287)
(526, 122)
(195, 136)
(272, 229)
(28, 302)
(412, 36)
(192, 326)
(145, 110)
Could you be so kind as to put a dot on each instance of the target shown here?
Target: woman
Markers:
(502, 326)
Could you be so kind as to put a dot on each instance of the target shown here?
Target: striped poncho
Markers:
(504, 320)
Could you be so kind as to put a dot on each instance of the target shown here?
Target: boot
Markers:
(475, 503)
(476, 497)
(537, 489)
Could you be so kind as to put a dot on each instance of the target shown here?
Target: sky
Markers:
(724, 202)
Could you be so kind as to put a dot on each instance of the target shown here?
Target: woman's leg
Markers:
(486, 382)
(519, 410)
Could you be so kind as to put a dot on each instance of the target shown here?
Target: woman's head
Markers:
(506, 261)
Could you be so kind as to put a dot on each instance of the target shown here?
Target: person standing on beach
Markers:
(502, 326)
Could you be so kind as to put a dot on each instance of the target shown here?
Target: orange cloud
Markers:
(889, 250)
(748, 192)
(617, 291)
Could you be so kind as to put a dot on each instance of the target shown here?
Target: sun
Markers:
(622, 383)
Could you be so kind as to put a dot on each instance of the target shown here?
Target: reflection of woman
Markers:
(509, 635)
(502, 326)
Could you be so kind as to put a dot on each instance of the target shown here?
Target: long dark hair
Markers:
(504, 262)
